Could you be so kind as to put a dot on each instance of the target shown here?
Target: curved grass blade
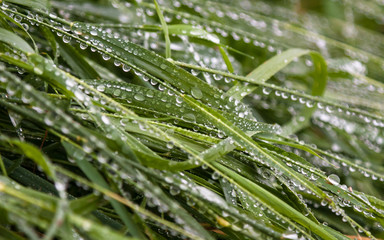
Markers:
(15, 41)
(165, 30)
(96, 177)
(41, 4)
(270, 200)
(31, 152)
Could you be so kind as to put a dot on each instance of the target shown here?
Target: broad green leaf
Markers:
(31, 152)
(42, 4)
(15, 41)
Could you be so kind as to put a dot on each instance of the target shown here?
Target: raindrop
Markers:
(93, 32)
(66, 39)
(83, 46)
(196, 93)
(126, 68)
(37, 71)
(195, 72)
(12, 89)
(52, 15)
(49, 119)
(139, 97)
(174, 191)
(25, 26)
(117, 63)
(190, 117)
(290, 235)
(17, 18)
(106, 57)
(333, 179)
(170, 145)
(215, 176)
(26, 97)
(150, 94)
(163, 66)
(217, 77)
(105, 119)
(100, 88)
(267, 91)
(117, 92)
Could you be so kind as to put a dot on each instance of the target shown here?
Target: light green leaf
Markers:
(15, 41)
(42, 4)
(31, 152)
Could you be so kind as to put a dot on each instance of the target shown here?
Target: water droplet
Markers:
(105, 119)
(49, 119)
(195, 72)
(126, 68)
(12, 89)
(267, 91)
(290, 235)
(66, 39)
(37, 70)
(163, 66)
(170, 145)
(106, 57)
(52, 15)
(190, 117)
(217, 77)
(196, 93)
(17, 18)
(83, 46)
(174, 191)
(93, 32)
(117, 92)
(150, 93)
(26, 97)
(333, 179)
(100, 88)
(215, 175)
(139, 97)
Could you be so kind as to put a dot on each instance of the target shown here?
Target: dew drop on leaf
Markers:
(126, 68)
(100, 88)
(163, 66)
(290, 235)
(105, 119)
(196, 93)
(139, 97)
(37, 71)
(333, 179)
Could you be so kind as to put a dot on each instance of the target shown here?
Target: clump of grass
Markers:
(190, 120)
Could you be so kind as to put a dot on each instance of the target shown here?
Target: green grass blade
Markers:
(165, 30)
(15, 41)
(276, 203)
(31, 152)
(96, 177)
